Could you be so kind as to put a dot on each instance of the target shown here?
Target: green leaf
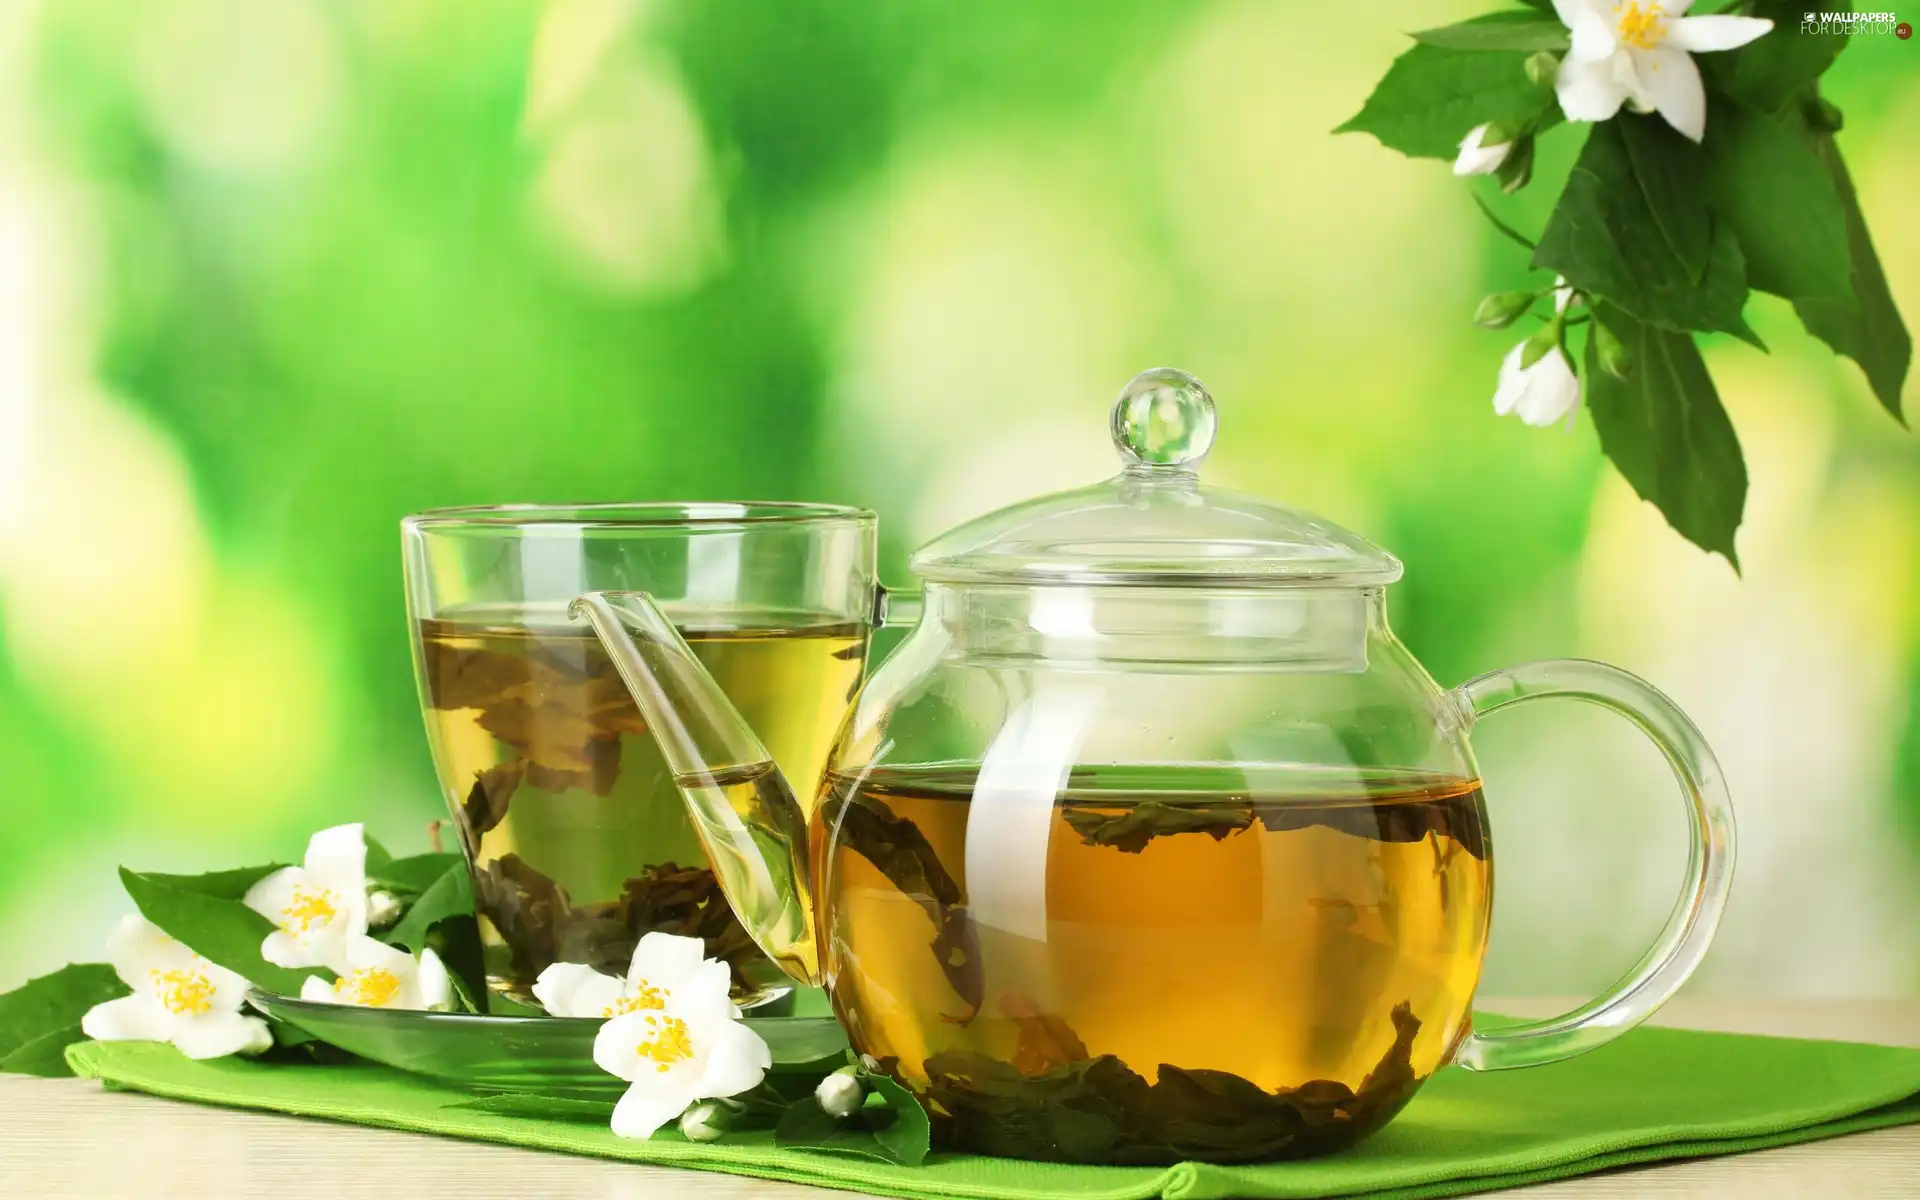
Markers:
(1769, 71)
(225, 885)
(1669, 169)
(50, 1006)
(551, 1108)
(220, 929)
(1604, 238)
(1868, 330)
(1774, 192)
(907, 1137)
(414, 875)
(377, 855)
(1528, 31)
(1432, 96)
(891, 1126)
(451, 895)
(1664, 428)
(45, 1055)
(457, 941)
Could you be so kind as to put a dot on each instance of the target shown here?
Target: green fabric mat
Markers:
(1654, 1094)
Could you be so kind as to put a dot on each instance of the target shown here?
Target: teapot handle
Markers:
(1689, 929)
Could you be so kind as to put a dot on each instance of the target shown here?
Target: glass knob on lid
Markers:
(1163, 419)
(1155, 523)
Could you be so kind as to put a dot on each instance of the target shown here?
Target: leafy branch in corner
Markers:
(1694, 188)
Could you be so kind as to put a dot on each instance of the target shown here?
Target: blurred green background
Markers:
(274, 273)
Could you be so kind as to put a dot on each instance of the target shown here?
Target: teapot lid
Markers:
(1155, 523)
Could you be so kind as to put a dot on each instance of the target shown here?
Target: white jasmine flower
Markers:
(376, 975)
(319, 906)
(1639, 53)
(676, 1036)
(1540, 394)
(840, 1094)
(178, 997)
(1546, 391)
(1478, 158)
(662, 964)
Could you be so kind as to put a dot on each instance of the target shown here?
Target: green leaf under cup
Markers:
(40, 1018)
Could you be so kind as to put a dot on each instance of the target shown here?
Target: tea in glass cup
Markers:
(569, 819)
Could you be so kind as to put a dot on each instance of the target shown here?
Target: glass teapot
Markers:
(1150, 842)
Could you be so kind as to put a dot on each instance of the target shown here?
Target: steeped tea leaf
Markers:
(1132, 826)
(50, 1007)
(541, 925)
(1101, 1110)
(687, 901)
(1449, 809)
(486, 803)
(1045, 1041)
(898, 850)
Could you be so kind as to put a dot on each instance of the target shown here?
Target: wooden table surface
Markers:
(65, 1137)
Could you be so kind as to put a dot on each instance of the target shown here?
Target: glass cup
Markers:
(569, 819)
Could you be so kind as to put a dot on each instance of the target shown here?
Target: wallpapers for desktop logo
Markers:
(1854, 24)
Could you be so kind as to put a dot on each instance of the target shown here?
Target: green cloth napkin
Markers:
(1654, 1094)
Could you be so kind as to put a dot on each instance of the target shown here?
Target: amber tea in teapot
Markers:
(1248, 933)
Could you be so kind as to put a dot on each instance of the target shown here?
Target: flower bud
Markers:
(1516, 170)
(1540, 344)
(383, 909)
(1611, 352)
(1482, 151)
(1501, 309)
(840, 1094)
(1543, 69)
(704, 1122)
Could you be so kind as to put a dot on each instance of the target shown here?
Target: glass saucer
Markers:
(551, 1056)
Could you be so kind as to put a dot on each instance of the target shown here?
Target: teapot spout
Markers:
(753, 829)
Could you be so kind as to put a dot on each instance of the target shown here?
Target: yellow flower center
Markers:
(1641, 26)
(645, 996)
(666, 1043)
(309, 907)
(373, 987)
(188, 993)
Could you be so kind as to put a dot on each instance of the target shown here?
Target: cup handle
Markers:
(1689, 929)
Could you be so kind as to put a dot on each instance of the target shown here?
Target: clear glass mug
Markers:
(568, 817)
